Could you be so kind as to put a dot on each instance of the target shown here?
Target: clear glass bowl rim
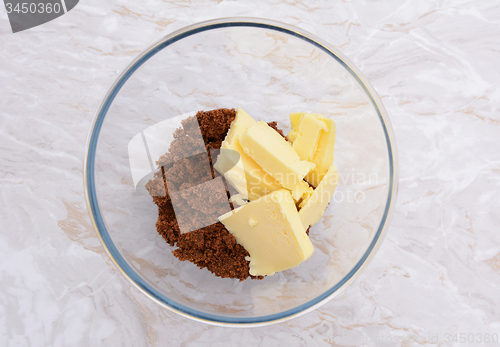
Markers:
(132, 275)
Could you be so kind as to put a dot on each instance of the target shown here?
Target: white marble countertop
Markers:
(437, 274)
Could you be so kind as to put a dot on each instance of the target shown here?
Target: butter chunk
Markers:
(313, 208)
(270, 229)
(324, 156)
(275, 155)
(295, 119)
(240, 124)
(241, 171)
(326, 146)
(324, 151)
(309, 131)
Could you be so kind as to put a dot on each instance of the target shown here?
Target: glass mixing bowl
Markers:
(270, 69)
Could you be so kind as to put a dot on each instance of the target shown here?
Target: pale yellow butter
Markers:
(313, 208)
(242, 172)
(275, 155)
(295, 119)
(271, 230)
(324, 154)
(309, 131)
(326, 147)
(303, 138)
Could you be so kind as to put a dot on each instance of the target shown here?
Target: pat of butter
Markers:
(324, 151)
(295, 119)
(313, 208)
(275, 155)
(307, 135)
(270, 229)
(242, 172)
(324, 154)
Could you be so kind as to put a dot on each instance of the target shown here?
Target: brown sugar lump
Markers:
(200, 205)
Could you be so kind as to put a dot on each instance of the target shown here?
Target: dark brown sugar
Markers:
(183, 176)
(181, 180)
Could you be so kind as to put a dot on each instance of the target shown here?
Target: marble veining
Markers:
(434, 65)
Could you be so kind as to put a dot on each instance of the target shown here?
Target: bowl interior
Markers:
(269, 73)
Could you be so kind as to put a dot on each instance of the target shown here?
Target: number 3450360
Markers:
(33, 7)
